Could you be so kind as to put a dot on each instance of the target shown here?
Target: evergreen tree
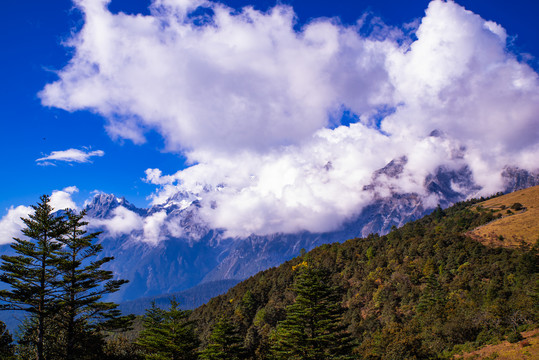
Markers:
(83, 285)
(168, 334)
(33, 274)
(433, 296)
(151, 336)
(312, 329)
(55, 340)
(225, 343)
(6, 343)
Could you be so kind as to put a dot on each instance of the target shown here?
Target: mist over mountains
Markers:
(169, 248)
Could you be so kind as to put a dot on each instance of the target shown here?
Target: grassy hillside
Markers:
(526, 349)
(517, 225)
(426, 290)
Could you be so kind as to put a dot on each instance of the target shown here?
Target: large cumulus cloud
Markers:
(252, 103)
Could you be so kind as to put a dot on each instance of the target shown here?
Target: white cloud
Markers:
(152, 229)
(61, 199)
(249, 100)
(69, 155)
(11, 224)
(242, 81)
(126, 222)
(123, 221)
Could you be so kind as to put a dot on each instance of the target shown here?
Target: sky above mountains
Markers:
(277, 115)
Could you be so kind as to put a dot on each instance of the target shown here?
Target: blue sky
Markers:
(33, 33)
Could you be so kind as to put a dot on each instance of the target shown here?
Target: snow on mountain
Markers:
(169, 248)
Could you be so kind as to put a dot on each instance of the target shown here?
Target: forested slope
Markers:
(422, 291)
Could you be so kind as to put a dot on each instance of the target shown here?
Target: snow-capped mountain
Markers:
(169, 248)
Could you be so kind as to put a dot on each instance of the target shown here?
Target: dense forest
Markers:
(424, 291)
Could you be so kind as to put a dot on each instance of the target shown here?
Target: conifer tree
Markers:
(225, 343)
(312, 329)
(6, 343)
(33, 274)
(168, 334)
(54, 279)
(433, 296)
(83, 284)
(151, 336)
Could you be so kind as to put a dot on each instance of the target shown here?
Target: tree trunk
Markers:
(71, 312)
(41, 315)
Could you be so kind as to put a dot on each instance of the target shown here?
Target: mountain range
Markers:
(185, 252)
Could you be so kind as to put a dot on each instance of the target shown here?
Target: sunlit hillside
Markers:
(528, 348)
(518, 222)
(426, 290)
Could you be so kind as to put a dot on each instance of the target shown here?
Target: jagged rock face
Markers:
(518, 179)
(445, 182)
(179, 261)
(102, 206)
(191, 253)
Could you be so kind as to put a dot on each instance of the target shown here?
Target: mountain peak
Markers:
(102, 205)
(183, 199)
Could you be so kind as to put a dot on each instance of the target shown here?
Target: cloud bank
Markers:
(11, 224)
(255, 105)
(61, 199)
(151, 229)
(69, 156)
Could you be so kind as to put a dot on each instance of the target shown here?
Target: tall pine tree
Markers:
(313, 329)
(33, 274)
(54, 278)
(6, 343)
(83, 285)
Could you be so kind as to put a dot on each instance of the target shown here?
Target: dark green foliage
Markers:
(7, 348)
(83, 285)
(56, 280)
(168, 334)
(438, 213)
(33, 274)
(225, 343)
(412, 294)
(517, 206)
(433, 297)
(55, 339)
(312, 329)
(514, 337)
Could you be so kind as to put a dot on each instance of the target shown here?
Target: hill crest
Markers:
(517, 222)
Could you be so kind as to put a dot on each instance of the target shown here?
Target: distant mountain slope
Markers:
(189, 299)
(417, 292)
(169, 248)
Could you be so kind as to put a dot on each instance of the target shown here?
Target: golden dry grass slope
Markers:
(515, 227)
(526, 349)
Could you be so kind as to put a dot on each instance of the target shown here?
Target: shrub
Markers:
(514, 337)
(524, 343)
(517, 206)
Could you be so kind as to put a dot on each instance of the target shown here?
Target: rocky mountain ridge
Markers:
(185, 251)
